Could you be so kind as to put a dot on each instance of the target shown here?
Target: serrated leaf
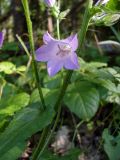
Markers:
(82, 99)
(25, 123)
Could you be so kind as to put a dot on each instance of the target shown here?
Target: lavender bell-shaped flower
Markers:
(58, 53)
(1, 38)
(49, 3)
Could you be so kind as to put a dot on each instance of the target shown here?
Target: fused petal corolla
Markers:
(58, 53)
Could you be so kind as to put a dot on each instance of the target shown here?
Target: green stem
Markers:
(115, 33)
(58, 28)
(58, 21)
(41, 146)
(58, 110)
(52, 131)
(41, 143)
(76, 130)
(84, 27)
(30, 32)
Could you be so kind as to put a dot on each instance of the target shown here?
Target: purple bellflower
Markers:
(58, 53)
(49, 3)
(1, 38)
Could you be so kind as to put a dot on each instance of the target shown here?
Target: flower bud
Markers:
(49, 3)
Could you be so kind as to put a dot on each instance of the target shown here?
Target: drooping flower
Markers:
(1, 38)
(58, 53)
(49, 3)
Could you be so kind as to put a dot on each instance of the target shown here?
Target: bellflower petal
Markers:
(73, 41)
(47, 38)
(41, 54)
(58, 53)
(53, 67)
(1, 38)
(49, 3)
(72, 62)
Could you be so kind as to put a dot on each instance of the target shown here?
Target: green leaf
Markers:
(53, 82)
(21, 69)
(104, 18)
(93, 65)
(114, 95)
(63, 14)
(71, 155)
(11, 104)
(14, 103)
(50, 96)
(111, 145)
(9, 90)
(82, 99)
(7, 67)
(35, 97)
(111, 19)
(107, 84)
(113, 5)
(25, 123)
(11, 46)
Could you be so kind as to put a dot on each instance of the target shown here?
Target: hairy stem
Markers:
(30, 32)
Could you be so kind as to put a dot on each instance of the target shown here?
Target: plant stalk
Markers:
(58, 28)
(32, 48)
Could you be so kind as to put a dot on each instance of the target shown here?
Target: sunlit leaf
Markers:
(7, 67)
(14, 103)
